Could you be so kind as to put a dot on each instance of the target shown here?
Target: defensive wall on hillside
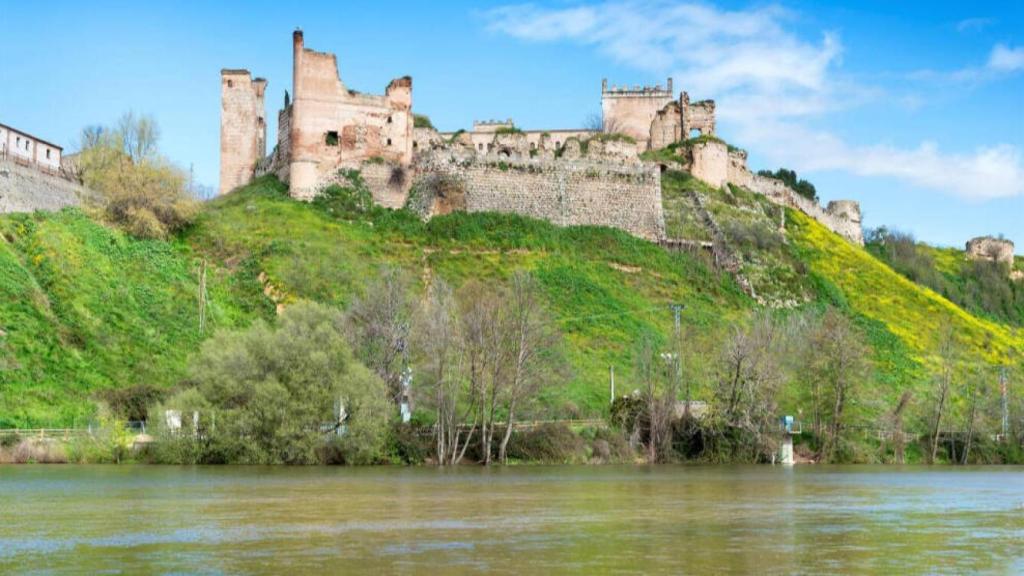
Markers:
(604, 186)
(712, 162)
(25, 189)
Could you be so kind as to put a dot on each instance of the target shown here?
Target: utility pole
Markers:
(1006, 404)
(677, 310)
(202, 296)
(611, 382)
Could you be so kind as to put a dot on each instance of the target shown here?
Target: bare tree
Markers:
(436, 339)
(138, 136)
(750, 375)
(381, 323)
(894, 423)
(593, 122)
(484, 357)
(839, 361)
(659, 391)
(972, 395)
(532, 344)
(948, 353)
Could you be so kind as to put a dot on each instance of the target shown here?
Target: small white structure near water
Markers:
(790, 428)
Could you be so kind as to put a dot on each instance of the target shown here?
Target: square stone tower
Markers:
(630, 110)
(243, 127)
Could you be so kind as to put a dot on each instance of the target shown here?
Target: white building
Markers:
(26, 149)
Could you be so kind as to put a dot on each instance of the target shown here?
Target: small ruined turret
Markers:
(991, 249)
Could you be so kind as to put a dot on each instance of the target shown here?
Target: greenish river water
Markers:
(522, 520)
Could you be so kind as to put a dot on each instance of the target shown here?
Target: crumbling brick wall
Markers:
(667, 126)
(334, 126)
(698, 117)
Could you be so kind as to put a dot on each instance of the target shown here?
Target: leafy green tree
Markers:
(281, 394)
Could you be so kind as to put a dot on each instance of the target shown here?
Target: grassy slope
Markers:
(911, 312)
(85, 307)
(605, 287)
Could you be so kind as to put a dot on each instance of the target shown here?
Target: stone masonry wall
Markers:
(24, 189)
(580, 192)
(842, 216)
(710, 162)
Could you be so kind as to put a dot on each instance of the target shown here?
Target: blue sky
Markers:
(916, 109)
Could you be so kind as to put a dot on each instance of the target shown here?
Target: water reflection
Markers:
(719, 519)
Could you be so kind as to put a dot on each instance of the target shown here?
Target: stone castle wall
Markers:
(25, 189)
(841, 216)
(710, 162)
(566, 193)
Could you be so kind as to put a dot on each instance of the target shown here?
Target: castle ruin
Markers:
(566, 176)
(988, 248)
(323, 127)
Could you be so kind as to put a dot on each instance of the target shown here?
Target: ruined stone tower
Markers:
(331, 126)
(630, 111)
(243, 127)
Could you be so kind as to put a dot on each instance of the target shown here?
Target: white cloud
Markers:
(983, 174)
(769, 81)
(1006, 59)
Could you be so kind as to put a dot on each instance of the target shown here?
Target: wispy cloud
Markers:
(985, 173)
(769, 81)
(1002, 60)
(973, 24)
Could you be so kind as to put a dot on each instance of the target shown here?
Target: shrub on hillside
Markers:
(349, 201)
(421, 121)
(142, 192)
(756, 235)
(789, 177)
(132, 403)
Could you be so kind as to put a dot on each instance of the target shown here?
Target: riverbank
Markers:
(585, 443)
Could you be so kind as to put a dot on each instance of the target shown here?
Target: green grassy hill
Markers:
(84, 308)
(983, 288)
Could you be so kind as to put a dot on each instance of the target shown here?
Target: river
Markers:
(522, 520)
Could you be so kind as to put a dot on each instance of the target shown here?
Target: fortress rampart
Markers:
(584, 191)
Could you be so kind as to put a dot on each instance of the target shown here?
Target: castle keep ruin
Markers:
(325, 126)
(566, 176)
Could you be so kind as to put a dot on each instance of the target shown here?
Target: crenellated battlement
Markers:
(656, 91)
